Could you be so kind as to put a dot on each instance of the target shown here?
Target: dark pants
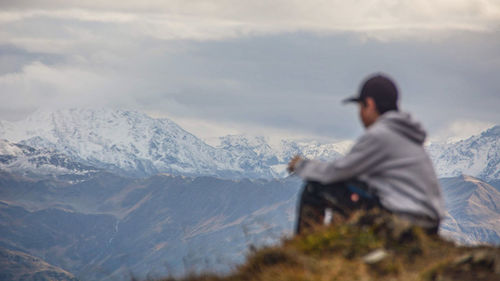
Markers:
(341, 198)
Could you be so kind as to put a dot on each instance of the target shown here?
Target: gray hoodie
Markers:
(391, 159)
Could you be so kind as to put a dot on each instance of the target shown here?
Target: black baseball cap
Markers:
(379, 87)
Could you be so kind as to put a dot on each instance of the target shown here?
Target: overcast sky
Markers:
(273, 68)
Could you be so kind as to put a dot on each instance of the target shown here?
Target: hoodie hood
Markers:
(403, 124)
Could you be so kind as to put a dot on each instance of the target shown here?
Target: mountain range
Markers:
(477, 156)
(110, 194)
(134, 144)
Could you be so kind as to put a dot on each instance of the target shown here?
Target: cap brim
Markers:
(350, 100)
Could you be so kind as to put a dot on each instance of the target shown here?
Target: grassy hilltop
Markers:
(370, 246)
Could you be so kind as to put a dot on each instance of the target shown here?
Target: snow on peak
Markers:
(478, 156)
(9, 149)
(30, 161)
(311, 150)
(493, 131)
(124, 139)
(239, 144)
(134, 142)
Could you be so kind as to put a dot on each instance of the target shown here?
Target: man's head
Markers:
(378, 94)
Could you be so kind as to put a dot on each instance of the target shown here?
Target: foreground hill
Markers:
(371, 246)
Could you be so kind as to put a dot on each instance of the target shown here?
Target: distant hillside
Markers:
(15, 265)
(107, 227)
(473, 211)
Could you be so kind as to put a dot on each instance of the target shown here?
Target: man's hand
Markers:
(293, 162)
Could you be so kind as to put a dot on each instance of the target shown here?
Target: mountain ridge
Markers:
(134, 144)
(474, 204)
(478, 155)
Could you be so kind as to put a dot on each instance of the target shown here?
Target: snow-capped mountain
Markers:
(136, 144)
(257, 151)
(120, 140)
(250, 153)
(27, 160)
(312, 149)
(478, 156)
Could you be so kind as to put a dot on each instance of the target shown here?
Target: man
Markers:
(386, 167)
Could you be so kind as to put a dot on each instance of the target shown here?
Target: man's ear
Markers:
(370, 102)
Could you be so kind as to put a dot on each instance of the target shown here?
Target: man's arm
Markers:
(364, 155)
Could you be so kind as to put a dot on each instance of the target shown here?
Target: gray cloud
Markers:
(12, 59)
(253, 74)
(202, 20)
(298, 80)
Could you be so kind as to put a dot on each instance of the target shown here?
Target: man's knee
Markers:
(342, 197)
(311, 195)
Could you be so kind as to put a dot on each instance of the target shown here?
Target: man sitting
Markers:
(387, 167)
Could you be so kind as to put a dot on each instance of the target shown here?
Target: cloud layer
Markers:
(258, 67)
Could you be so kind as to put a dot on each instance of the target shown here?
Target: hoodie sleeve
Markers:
(363, 157)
